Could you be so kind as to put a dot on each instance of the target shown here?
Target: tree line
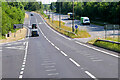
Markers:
(14, 13)
(96, 11)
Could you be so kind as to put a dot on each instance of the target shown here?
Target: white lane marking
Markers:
(51, 74)
(74, 62)
(63, 53)
(49, 66)
(98, 50)
(93, 58)
(51, 70)
(47, 61)
(57, 48)
(21, 72)
(54, 30)
(0, 50)
(92, 76)
(21, 76)
(23, 66)
(52, 44)
(24, 62)
(22, 69)
(97, 60)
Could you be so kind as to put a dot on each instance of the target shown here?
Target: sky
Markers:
(47, 1)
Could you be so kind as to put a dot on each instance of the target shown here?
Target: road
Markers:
(52, 55)
(94, 30)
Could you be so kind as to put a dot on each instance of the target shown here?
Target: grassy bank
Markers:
(107, 45)
(65, 29)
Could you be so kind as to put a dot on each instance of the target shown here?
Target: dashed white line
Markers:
(57, 48)
(22, 69)
(97, 49)
(21, 76)
(24, 62)
(53, 74)
(92, 76)
(97, 60)
(21, 72)
(49, 66)
(63, 53)
(51, 70)
(74, 62)
(52, 44)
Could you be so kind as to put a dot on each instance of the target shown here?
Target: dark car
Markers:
(31, 14)
(34, 32)
(34, 26)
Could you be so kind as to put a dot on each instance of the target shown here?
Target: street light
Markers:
(59, 14)
(73, 18)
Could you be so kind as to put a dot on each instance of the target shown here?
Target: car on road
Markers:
(85, 20)
(34, 26)
(31, 14)
(34, 32)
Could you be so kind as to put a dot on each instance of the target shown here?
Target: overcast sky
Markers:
(47, 1)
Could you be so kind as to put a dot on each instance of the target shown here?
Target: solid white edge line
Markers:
(97, 49)
(63, 53)
(74, 62)
(92, 76)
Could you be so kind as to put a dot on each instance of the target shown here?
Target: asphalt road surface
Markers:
(52, 55)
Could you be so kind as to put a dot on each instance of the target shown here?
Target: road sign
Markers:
(76, 26)
(16, 26)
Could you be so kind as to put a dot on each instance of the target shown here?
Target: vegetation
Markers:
(96, 11)
(65, 29)
(14, 13)
(107, 45)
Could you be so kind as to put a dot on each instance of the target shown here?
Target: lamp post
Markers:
(59, 14)
(73, 18)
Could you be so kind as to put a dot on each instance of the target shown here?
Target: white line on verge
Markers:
(97, 49)
(74, 62)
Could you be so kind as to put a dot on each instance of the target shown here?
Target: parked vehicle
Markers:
(34, 32)
(85, 20)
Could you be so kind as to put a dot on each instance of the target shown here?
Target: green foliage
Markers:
(96, 11)
(33, 6)
(108, 45)
(12, 13)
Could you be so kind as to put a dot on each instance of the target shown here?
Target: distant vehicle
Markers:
(34, 26)
(31, 14)
(85, 20)
(34, 32)
(70, 15)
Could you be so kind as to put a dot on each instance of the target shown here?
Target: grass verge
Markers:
(107, 45)
(65, 29)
